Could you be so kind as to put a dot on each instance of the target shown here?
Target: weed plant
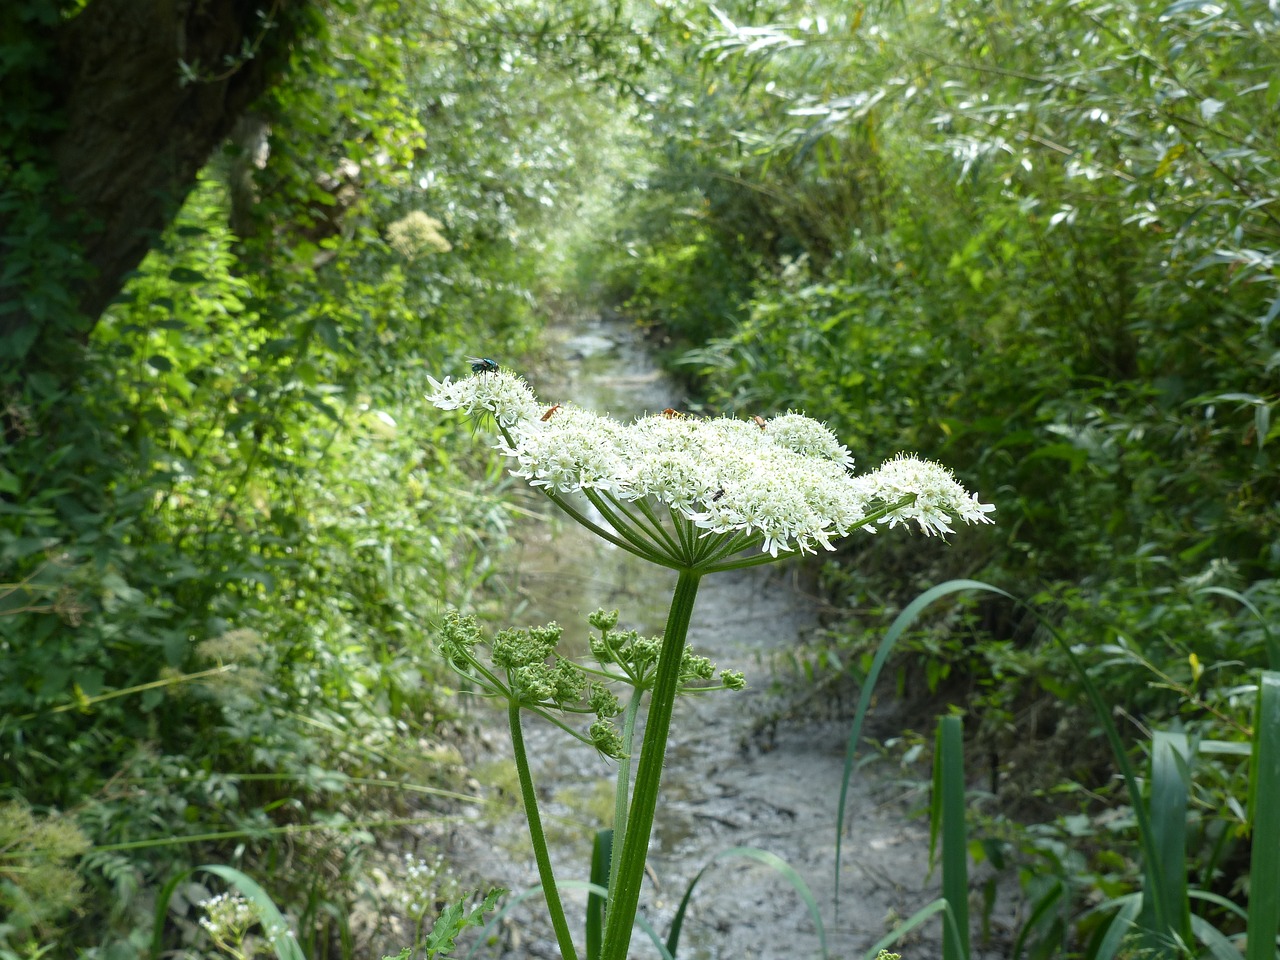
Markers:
(699, 496)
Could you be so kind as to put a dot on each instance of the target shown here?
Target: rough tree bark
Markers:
(133, 134)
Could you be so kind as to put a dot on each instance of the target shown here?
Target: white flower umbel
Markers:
(700, 496)
(693, 493)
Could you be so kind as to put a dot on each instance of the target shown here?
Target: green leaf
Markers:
(899, 626)
(1043, 907)
(601, 854)
(1264, 821)
(897, 933)
(1169, 751)
(1123, 926)
(1072, 454)
(949, 810)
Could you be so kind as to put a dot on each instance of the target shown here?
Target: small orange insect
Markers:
(672, 414)
(760, 422)
(547, 416)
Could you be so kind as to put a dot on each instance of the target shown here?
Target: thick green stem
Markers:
(644, 797)
(622, 792)
(539, 838)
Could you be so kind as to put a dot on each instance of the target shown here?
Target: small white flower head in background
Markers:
(939, 495)
(809, 437)
(784, 485)
(416, 234)
(228, 917)
(504, 395)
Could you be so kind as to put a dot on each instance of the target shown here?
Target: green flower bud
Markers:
(603, 702)
(696, 668)
(643, 651)
(568, 682)
(533, 683)
(604, 735)
(603, 620)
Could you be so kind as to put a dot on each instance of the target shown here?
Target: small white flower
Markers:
(502, 394)
(571, 450)
(809, 437)
(938, 494)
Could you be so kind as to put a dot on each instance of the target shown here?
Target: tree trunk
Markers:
(145, 90)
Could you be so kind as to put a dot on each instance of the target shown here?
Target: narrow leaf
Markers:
(1264, 820)
(955, 867)
(1169, 752)
(601, 853)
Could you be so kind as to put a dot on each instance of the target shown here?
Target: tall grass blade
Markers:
(771, 860)
(1042, 908)
(592, 888)
(1264, 819)
(1219, 947)
(1169, 791)
(1160, 925)
(601, 853)
(920, 916)
(1124, 924)
(896, 629)
(1271, 639)
(948, 800)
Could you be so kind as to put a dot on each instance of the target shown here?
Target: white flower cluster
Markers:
(502, 394)
(228, 919)
(419, 885)
(228, 915)
(787, 480)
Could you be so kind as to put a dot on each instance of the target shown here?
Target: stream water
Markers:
(733, 777)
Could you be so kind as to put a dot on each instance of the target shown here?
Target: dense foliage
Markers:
(1040, 244)
(226, 519)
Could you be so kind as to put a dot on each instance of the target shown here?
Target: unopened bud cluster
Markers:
(527, 670)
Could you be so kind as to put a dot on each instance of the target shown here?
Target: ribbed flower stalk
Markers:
(624, 888)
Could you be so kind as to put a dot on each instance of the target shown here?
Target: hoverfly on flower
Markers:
(483, 364)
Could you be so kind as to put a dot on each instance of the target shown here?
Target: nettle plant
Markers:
(699, 496)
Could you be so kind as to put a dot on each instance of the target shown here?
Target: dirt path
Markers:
(726, 784)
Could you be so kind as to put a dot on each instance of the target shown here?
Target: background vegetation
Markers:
(1038, 242)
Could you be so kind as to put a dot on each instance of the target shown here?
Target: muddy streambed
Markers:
(725, 784)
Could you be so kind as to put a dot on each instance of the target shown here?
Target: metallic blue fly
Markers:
(483, 364)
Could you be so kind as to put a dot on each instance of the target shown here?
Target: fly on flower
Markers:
(483, 364)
